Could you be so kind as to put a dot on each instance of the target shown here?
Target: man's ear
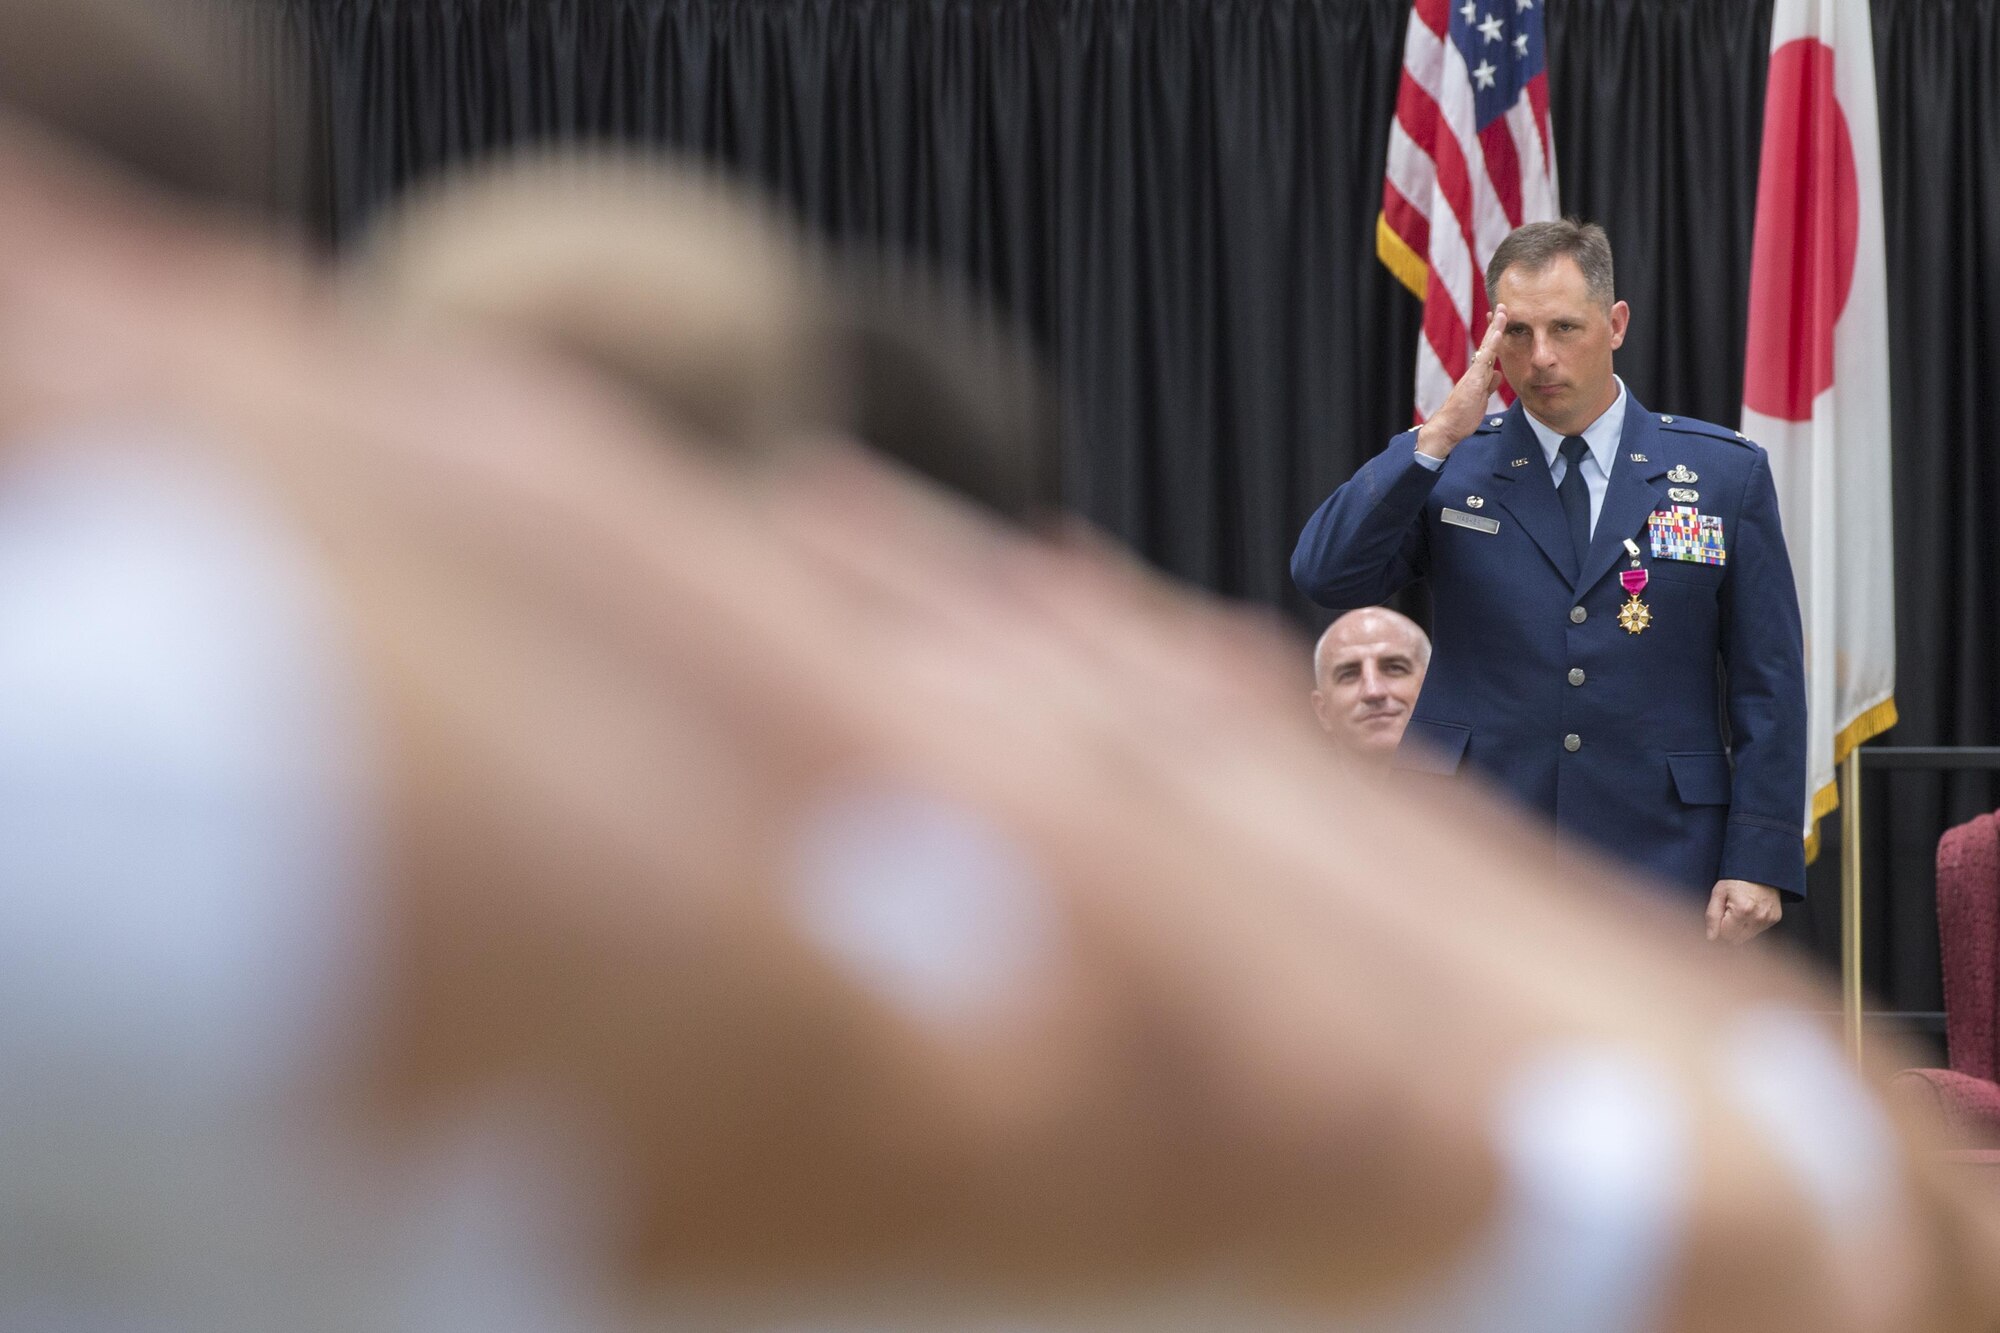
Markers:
(1319, 709)
(1621, 315)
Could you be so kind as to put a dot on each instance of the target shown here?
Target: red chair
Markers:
(1967, 1095)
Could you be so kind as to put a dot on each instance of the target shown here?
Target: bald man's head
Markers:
(1368, 668)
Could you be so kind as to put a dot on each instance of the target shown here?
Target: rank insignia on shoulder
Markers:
(1682, 475)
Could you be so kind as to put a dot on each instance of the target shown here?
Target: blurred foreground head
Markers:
(704, 301)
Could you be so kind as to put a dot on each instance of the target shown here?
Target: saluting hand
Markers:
(1466, 404)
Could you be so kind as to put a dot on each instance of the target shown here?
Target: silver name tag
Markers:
(1461, 519)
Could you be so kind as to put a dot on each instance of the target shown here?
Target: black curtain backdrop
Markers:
(1174, 201)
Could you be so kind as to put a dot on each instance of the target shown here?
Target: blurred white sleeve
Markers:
(186, 916)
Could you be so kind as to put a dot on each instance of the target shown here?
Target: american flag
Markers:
(1470, 159)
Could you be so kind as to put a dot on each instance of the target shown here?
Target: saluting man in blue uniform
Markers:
(1616, 628)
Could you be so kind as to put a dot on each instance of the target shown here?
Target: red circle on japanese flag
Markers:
(1808, 211)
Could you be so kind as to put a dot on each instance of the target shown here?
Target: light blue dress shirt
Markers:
(1602, 435)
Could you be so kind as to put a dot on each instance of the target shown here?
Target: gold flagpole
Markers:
(1850, 900)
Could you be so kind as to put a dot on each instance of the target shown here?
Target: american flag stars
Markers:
(1492, 29)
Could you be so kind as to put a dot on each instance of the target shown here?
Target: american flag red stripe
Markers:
(1538, 105)
(1403, 217)
(1503, 168)
(1470, 159)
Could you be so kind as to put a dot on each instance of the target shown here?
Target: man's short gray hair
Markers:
(1536, 245)
(1420, 642)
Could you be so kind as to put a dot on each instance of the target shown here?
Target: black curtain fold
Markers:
(1173, 202)
(1657, 110)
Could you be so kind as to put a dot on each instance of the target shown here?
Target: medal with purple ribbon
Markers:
(1635, 615)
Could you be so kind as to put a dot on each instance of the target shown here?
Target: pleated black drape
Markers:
(1174, 202)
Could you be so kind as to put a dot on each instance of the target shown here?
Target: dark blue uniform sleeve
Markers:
(1762, 648)
(1368, 539)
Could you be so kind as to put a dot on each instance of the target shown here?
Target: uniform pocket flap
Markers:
(1432, 747)
(1701, 779)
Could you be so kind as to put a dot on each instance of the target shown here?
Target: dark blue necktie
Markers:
(1575, 496)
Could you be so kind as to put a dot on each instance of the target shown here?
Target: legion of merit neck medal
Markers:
(1635, 615)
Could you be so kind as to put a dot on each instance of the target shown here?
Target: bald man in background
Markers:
(1368, 669)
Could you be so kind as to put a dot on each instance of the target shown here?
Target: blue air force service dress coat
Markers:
(1626, 736)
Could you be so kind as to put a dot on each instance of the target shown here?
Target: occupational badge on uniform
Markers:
(1475, 502)
(1682, 494)
(1685, 533)
(1682, 476)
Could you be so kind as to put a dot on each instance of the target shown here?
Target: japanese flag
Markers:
(1816, 374)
